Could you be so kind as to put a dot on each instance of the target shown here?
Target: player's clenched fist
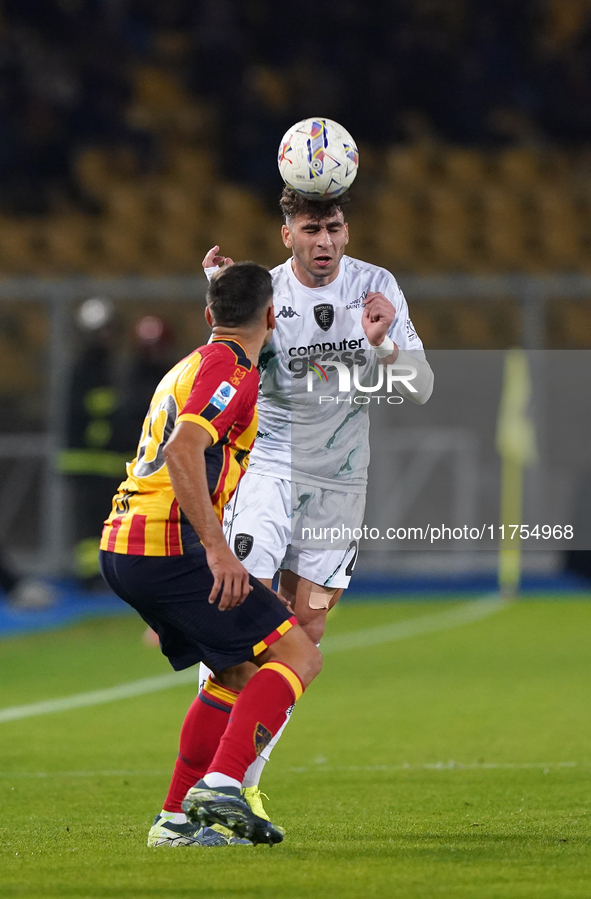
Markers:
(213, 258)
(378, 315)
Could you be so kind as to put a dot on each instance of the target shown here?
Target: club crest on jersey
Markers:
(223, 395)
(262, 737)
(243, 544)
(324, 315)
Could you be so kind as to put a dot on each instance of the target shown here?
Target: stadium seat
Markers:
(450, 227)
(65, 244)
(161, 102)
(94, 171)
(177, 206)
(472, 326)
(192, 168)
(560, 228)
(570, 324)
(129, 205)
(178, 247)
(408, 166)
(519, 166)
(464, 168)
(20, 246)
(506, 229)
(395, 231)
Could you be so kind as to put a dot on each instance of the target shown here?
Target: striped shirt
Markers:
(215, 387)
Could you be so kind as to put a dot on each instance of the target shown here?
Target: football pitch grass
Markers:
(452, 760)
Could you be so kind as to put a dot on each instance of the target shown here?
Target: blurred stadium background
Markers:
(136, 134)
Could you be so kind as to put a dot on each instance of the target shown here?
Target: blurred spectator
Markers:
(95, 456)
(152, 357)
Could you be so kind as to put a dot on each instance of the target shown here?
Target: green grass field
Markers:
(452, 763)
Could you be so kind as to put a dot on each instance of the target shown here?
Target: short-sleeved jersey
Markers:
(322, 445)
(216, 387)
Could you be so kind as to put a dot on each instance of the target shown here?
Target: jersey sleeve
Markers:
(222, 393)
(402, 330)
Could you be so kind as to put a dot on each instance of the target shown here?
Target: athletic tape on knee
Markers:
(320, 597)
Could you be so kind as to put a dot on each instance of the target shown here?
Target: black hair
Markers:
(292, 203)
(238, 294)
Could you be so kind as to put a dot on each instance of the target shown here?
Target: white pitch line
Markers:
(371, 636)
(443, 766)
(98, 697)
(400, 630)
(323, 769)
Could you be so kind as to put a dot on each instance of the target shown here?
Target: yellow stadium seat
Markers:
(450, 227)
(119, 250)
(571, 324)
(177, 206)
(94, 171)
(465, 168)
(408, 166)
(506, 229)
(162, 103)
(396, 229)
(65, 247)
(129, 205)
(519, 166)
(178, 248)
(193, 169)
(472, 326)
(560, 228)
(237, 203)
(20, 246)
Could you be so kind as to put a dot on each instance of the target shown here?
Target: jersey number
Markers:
(355, 546)
(150, 456)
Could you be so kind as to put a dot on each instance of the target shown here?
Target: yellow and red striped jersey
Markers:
(216, 387)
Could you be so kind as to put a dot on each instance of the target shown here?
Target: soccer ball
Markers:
(318, 159)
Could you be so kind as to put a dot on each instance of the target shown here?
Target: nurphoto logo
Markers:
(390, 374)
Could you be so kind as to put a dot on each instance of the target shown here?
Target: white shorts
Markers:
(265, 512)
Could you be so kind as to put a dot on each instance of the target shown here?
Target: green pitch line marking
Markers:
(372, 636)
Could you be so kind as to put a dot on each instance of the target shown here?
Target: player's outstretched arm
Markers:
(184, 454)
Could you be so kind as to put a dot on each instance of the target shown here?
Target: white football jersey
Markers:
(326, 443)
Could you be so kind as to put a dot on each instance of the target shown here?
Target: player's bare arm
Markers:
(185, 458)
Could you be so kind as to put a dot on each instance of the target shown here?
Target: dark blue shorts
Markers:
(170, 593)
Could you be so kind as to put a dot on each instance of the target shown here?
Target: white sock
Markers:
(174, 817)
(204, 673)
(216, 779)
(255, 770)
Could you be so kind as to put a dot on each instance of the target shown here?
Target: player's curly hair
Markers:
(292, 203)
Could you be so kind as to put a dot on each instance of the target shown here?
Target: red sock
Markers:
(202, 730)
(258, 714)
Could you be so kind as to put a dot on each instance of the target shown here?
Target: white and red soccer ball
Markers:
(318, 158)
